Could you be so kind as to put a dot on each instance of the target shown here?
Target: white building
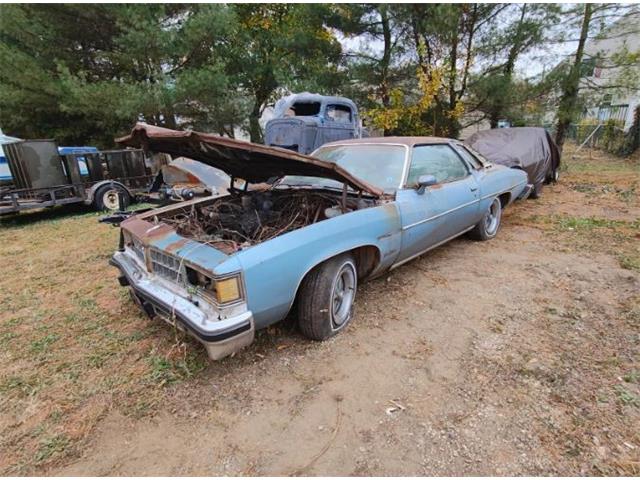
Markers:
(610, 78)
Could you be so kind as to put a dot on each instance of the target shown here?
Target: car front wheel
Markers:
(488, 227)
(327, 293)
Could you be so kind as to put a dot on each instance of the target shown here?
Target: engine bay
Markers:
(242, 219)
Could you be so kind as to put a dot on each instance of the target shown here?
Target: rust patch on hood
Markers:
(145, 230)
(175, 246)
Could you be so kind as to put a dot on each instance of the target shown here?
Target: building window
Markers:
(587, 67)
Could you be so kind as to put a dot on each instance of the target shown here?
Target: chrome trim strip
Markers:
(503, 191)
(440, 214)
(461, 206)
(430, 248)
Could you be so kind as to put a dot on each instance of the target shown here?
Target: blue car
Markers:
(300, 230)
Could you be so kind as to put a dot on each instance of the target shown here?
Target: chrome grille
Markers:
(166, 266)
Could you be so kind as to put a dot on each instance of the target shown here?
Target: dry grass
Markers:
(600, 211)
(72, 344)
(587, 353)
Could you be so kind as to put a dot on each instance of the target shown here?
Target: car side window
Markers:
(339, 113)
(437, 160)
(469, 157)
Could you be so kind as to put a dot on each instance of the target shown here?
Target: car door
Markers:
(441, 211)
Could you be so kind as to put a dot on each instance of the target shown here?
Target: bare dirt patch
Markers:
(515, 356)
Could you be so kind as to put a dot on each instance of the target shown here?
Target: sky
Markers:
(529, 65)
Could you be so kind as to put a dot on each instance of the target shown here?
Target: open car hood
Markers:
(252, 162)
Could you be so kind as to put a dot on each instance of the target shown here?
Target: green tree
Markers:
(443, 41)
(374, 74)
(593, 21)
(86, 73)
(570, 86)
(494, 90)
(278, 47)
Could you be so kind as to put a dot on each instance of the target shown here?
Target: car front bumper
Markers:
(220, 336)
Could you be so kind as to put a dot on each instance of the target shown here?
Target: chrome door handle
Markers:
(473, 189)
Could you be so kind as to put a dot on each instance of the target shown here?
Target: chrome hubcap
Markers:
(492, 219)
(344, 290)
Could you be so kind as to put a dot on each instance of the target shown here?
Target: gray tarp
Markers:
(529, 148)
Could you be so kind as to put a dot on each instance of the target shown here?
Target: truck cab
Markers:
(305, 121)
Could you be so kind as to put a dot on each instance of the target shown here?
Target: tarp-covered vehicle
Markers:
(526, 148)
(222, 267)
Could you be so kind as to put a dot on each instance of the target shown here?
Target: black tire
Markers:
(106, 198)
(321, 311)
(553, 176)
(488, 227)
(537, 191)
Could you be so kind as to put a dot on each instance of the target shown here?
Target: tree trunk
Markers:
(255, 131)
(497, 112)
(386, 60)
(566, 110)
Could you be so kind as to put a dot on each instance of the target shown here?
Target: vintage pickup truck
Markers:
(310, 228)
(305, 121)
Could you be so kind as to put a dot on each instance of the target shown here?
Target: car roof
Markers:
(408, 141)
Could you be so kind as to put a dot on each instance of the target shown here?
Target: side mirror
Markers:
(425, 181)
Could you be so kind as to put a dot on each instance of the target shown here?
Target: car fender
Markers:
(274, 270)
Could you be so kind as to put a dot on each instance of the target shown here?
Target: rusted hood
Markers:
(250, 161)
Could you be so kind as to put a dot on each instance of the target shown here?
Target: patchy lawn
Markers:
(515, 356)
(72, 344)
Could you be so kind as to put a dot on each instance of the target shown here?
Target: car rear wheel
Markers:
(327, 293)
(488, 227)
(106, 198)
(537, 191)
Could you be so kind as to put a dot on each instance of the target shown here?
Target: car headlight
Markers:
(223, 290)
(227, 290)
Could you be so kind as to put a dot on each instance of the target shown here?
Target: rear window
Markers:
(339, 113)
(303, 109)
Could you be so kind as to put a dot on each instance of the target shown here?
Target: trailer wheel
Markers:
(106, 198)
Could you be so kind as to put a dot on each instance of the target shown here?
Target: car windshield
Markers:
(379, 165)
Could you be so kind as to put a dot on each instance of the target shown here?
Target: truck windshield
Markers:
(380, 165)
